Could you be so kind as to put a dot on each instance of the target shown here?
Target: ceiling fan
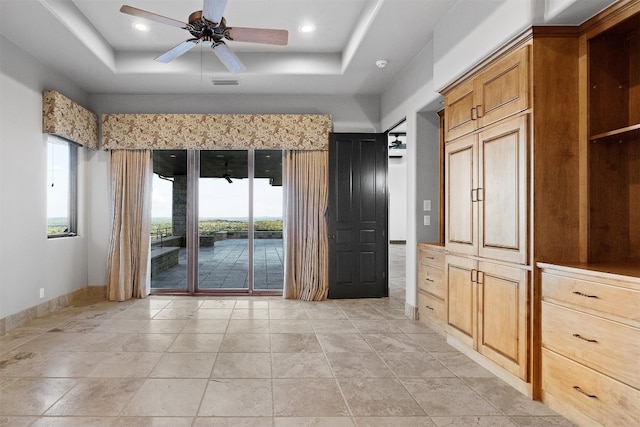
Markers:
(209, 27)
(397, 143)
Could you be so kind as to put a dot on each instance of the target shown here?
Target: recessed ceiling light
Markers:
(307, 28)
(140, 26)
(381, 63)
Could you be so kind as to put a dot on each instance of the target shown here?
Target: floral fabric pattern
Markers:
(216, 131)
(63, 117)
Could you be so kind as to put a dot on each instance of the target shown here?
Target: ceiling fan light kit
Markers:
(209, 27)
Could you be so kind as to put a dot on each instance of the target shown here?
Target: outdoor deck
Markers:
(224, 266)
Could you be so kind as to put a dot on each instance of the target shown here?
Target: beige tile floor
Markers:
(182, 361)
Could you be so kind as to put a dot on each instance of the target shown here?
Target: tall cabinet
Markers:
(590, 332)
(511, 185)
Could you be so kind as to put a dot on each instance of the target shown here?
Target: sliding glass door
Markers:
(268, 253)
(225, 222)
(169, 221)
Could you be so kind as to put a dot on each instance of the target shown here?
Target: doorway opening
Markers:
(217, 222)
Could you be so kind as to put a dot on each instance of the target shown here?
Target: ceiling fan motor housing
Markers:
(202, 28)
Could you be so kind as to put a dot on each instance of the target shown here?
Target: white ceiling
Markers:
(93, 43)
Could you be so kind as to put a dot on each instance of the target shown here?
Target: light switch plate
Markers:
(426, 205)
(427, 220)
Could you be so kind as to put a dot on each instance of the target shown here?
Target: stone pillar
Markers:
(179, 219)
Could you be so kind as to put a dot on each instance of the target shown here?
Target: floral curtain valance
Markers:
(216, 131)
(63, 117)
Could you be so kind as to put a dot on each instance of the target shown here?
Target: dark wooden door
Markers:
(358, 238)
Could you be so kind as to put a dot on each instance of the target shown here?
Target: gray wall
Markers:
(427, 175)
(28, 260)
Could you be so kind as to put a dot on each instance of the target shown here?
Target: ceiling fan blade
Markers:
(177, 51)
(259, 35)
(212, 10)
(228, 58)
(152, 16)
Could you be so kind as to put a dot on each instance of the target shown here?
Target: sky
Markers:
(219, 199)
(57, 180)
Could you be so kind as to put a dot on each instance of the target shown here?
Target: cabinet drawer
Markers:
(431, 307)
(601, 398)
(606, 346)
(431, 280)
(430, 256)
(621, 303)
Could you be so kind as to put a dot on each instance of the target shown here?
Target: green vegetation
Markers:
(208, 227)
(57, 225)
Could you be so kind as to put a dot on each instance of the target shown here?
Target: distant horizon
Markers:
(228, 218)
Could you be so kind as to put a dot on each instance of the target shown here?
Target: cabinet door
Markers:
(461, 157)
(502, 191)
(458, 117)
(502, 316)
(461, 299)
(503, 88)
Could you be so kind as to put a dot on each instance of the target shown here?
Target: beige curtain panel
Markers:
(128, 266)
(306, 244)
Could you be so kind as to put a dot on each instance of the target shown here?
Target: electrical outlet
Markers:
(41, 292)
(427, 220)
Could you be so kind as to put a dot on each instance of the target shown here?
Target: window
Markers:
(62, 167)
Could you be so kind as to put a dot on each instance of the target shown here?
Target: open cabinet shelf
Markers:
(613, 123)
(629, 133)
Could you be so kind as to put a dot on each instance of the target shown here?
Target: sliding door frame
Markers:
(193, 236)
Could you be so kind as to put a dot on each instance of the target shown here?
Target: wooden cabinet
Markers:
(511, 196)
(486, 184)
(487, 310)
(431, 285)
(586, 396)
(611, 135)
(591, 344)
(497, 92)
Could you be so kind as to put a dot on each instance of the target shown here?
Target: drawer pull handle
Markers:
(429, 280)
(579, 390)
(583, 338)
(430, 308)
(584, 295)
(429, 257)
